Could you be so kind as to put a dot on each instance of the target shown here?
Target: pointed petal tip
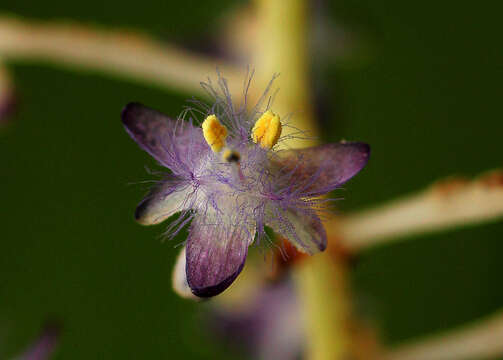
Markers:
(353, 159)
(322, 246)
(150, 129)
(214, 290)
(140, 213)
(128, 111)
(159, 205)
(364, 152)
(364, 149)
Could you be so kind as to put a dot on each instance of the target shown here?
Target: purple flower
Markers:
(228, 177)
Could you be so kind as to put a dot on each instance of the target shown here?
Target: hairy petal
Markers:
(169, 142)
(317, 170)
(302, 227)
(162, 202)
(148, 127)
(216, 255)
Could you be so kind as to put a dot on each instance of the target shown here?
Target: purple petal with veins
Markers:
(179, 277)
(163, 201)
(317, 170)
(216, 255)
(172, 143)
(302, 227)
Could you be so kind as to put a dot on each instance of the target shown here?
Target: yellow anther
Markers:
(214, 133)
(267, 130)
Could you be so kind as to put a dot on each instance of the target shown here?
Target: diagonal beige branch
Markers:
(483, 339)
(125, 54)
(447, 204)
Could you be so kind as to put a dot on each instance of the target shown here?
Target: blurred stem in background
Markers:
(282, 47)
(129, 55)
(451, 203)
(481, 339)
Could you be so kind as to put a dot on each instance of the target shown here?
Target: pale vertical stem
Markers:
(282, 48)
(321, 284)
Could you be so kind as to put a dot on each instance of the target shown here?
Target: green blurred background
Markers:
(425, 93)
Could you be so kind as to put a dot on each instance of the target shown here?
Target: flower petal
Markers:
(172, 143)
(317, 170)
(179, 277)
(303, 228)
(216, 255)
(148, 127)
(162, 202)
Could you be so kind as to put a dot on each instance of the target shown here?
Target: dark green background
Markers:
(425, 92)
